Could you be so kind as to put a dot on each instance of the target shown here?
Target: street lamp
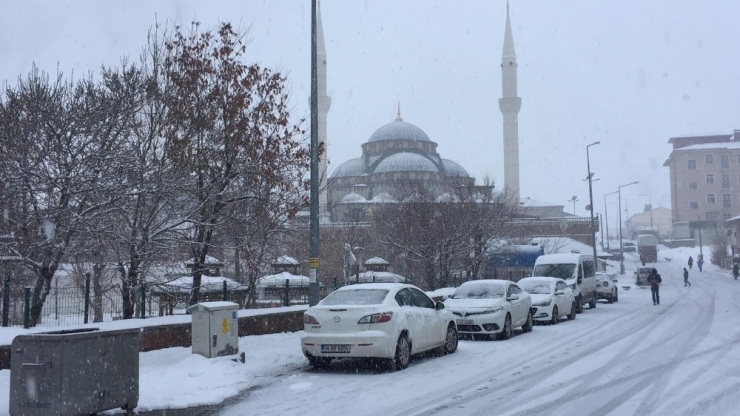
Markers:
(606, 218)
(591, 200)
(621, 248)
(650, 201)
(574, 200)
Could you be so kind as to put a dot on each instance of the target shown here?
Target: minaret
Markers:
(324, 102)
(510, 105)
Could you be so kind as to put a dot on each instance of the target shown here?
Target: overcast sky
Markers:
(628, 73)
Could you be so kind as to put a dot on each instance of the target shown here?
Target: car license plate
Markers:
(339, 348)
(465, 322)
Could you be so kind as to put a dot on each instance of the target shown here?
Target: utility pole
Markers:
(621, 248)
(591, 202)
(313, 262)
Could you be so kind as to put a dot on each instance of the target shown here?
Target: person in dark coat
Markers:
(655, 281)
(691, 262)
(686, 278)
(735, 271)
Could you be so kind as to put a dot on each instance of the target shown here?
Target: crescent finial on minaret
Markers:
(398, 114)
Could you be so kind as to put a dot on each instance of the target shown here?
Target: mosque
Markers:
(399, 153)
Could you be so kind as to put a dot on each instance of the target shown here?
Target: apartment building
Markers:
(705, 178)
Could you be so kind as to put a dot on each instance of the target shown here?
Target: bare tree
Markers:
(62, 144)
(229, 131)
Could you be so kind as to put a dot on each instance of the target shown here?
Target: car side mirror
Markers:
(580, 280)
(513, 297)
(560, 292)
(439, 306)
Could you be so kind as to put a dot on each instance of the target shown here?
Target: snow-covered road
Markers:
(628, 358)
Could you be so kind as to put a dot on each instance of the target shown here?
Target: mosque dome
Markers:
(352, 167)
(406, 162)
(399, 130)
(454, 169)
(353, 198)
(383, 197)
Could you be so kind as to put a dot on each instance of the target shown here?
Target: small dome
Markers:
(383, 197)
(406, 162)
(352, 167)
(445, 197)
(454, 169)
(353, 198)
(399, 130)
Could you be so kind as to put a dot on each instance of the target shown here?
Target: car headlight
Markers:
(493, 310)
(543, 303)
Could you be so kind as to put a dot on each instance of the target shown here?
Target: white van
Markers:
(576, 269)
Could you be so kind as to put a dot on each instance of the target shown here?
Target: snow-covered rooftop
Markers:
(279, 279)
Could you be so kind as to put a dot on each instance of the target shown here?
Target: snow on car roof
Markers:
(541, 279)
(486, 281)
(558, 258)
(364, 286)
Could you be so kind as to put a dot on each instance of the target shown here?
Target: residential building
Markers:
(705, 179)
(658, 219)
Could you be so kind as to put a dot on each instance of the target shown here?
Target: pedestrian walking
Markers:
(691, 262)
(699, 264)
(686, 278)
(735, 271)
(655, 282)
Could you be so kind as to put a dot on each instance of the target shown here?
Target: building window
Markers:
(694, 205)
(726, 201)
(725, 181)
(725, 161)
(710, 199)
(710, 178)
(693, 185)
(692, 162)
(709, 159)
(738, 159)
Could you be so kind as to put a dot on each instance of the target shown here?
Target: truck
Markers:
(647, 246)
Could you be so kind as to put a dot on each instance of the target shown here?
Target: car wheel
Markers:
(616, 295)
(611, 297)
(572, 315)
(555, 316)
(592, 304)
(319, 362)
(506, 331)
(527, 327)
(402, 357)
(579, 305)
(450, 339)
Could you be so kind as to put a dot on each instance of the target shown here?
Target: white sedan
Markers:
(392, 321)
(490, 307)
(551, 298)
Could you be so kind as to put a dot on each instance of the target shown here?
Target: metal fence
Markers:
(79, 304)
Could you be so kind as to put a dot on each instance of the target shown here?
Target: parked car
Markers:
(641, 275)
(391, 321)
(551, 298)
(576, 269)
(606, 287)
(629, 246)
(490, 307)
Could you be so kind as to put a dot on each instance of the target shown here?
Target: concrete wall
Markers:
(178, 335)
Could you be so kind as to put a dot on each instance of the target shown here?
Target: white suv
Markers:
(606, 287)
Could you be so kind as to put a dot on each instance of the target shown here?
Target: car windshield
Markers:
(646, 270)
(356, 297)
(535, 288)
(480, 291)
(562, 271)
